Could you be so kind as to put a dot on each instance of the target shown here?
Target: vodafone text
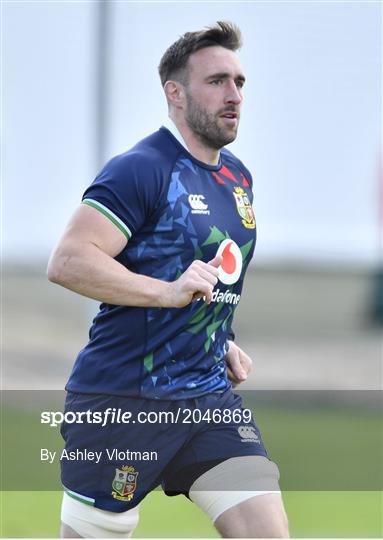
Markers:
(227, 297)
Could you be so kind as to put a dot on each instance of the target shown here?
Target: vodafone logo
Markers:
(231, 266)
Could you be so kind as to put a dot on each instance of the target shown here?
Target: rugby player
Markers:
(163, 238)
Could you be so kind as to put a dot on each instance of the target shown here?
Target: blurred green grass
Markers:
(311, 514)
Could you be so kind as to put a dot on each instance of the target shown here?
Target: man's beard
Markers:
(205, 125)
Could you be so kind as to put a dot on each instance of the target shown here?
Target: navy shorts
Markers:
(112, 464)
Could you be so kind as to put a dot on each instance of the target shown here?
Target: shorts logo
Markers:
(244, 208)
(197, 204)
(231, 266)
(248, 434)
(124, 483)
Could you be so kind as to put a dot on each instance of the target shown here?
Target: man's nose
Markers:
(233, 94)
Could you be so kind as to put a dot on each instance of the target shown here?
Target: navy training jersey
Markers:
(173, 209)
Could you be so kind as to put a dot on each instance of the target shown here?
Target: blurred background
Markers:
(80, 84)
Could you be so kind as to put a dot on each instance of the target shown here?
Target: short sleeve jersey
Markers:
(173, 209)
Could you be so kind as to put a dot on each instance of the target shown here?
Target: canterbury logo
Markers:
(197, 204)
(248, 434)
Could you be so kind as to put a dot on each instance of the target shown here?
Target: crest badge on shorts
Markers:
(245, 210)
(125, 483)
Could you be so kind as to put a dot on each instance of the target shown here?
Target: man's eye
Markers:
(217, 81)
(240, 84)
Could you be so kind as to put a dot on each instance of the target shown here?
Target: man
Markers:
(163, 239)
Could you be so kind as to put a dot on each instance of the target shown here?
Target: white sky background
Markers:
(310, 128)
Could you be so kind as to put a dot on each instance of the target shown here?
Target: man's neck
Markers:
(207, 155)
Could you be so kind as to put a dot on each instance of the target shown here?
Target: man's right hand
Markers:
(198, 281)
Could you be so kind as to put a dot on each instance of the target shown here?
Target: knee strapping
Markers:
(232, 482)
(91, 522)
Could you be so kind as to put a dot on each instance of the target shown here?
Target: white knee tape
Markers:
(91, 522)
(232, 482)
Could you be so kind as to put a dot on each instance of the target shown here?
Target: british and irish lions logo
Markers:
(244, 208)
(124, 483)
(231, 266)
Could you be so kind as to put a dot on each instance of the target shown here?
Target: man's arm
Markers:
(83, 262)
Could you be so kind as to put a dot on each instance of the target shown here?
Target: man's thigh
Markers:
(261, 516)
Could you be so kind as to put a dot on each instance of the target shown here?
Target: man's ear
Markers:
(174, 92)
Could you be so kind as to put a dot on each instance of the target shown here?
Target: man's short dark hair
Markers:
(173, 64)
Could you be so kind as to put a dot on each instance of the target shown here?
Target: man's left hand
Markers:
(239, 364)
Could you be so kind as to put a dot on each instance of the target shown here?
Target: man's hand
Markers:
(239, 364)
(198, 281)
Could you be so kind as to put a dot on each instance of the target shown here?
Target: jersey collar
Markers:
(170, 125)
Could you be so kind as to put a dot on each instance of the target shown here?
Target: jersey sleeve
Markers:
(126, 191)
